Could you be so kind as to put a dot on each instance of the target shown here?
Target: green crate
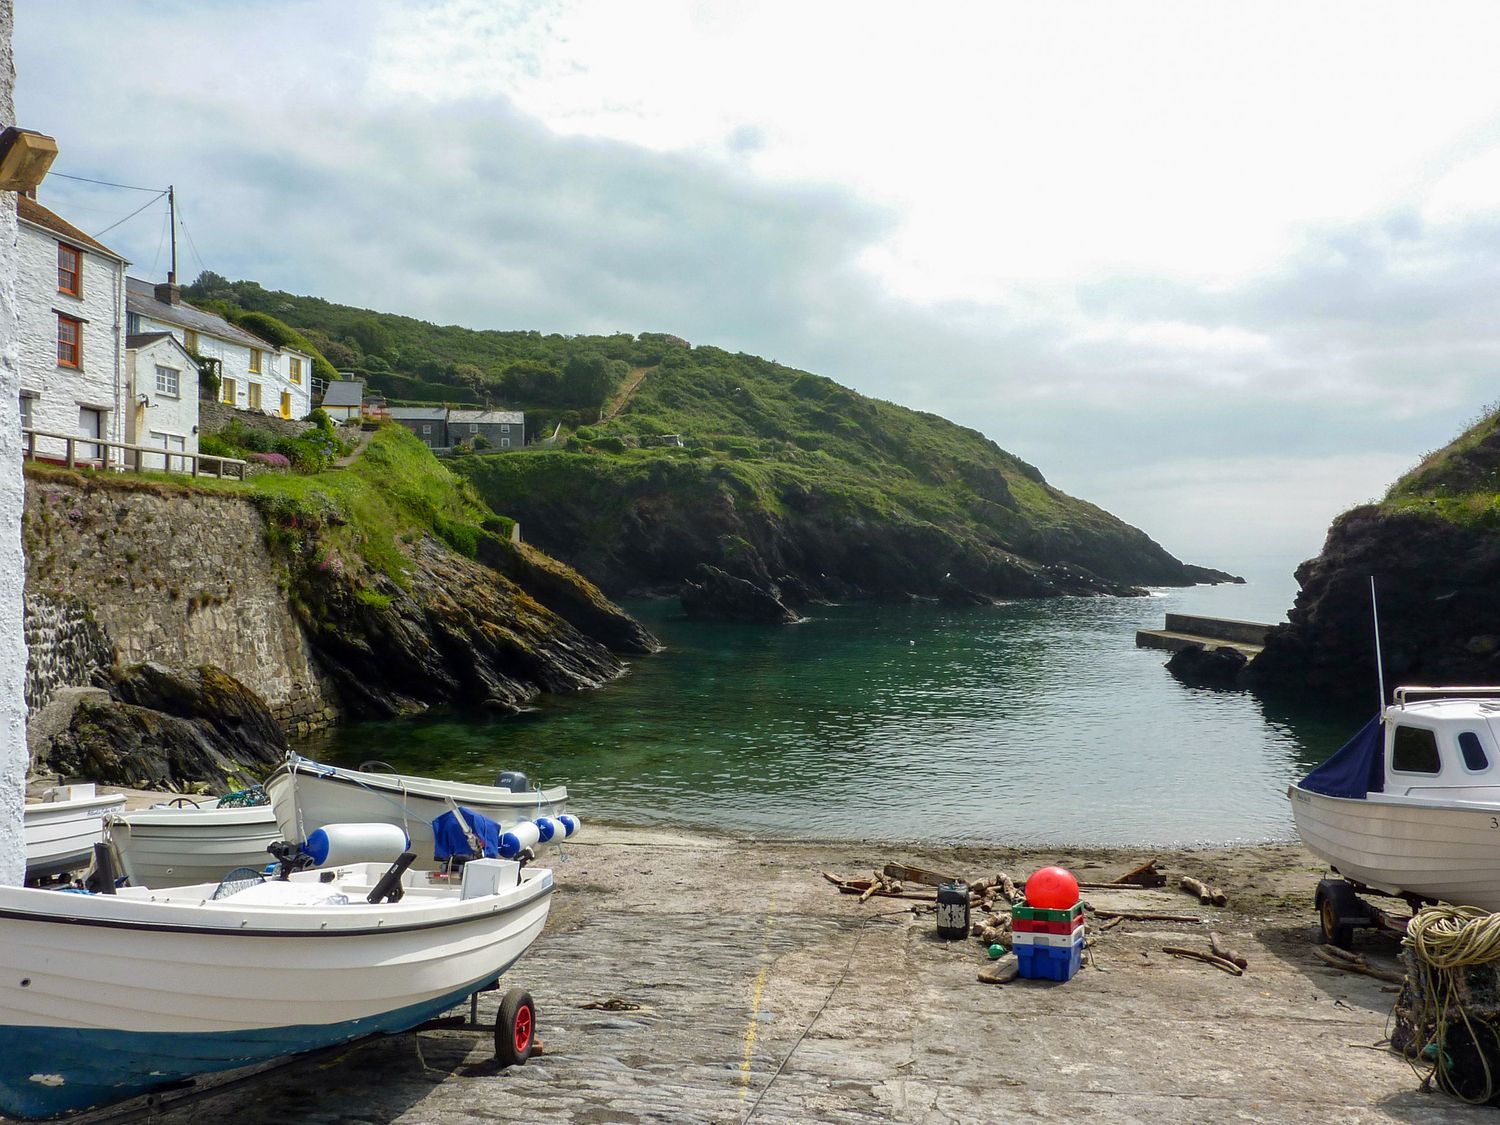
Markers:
(1040, 914)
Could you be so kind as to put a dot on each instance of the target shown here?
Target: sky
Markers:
(1225, 270)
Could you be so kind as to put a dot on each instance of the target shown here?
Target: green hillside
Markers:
(781, 476)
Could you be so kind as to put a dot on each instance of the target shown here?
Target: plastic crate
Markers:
(1052, 941)
(1028, 926)
(1041, 962)
(1040, 914)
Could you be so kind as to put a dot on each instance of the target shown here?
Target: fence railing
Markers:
(101, 453)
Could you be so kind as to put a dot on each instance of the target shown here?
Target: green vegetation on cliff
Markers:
(704, 456)
(1460, 482)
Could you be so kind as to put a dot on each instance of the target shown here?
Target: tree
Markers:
(587, 380)
(372, 337)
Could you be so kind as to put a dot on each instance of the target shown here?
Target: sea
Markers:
(1029, 723)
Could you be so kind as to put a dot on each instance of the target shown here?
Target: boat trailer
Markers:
(1342, 910)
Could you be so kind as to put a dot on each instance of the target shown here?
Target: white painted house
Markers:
(163, 396)
(70, 296)
(253, 373)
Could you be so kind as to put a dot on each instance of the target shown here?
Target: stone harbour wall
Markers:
(179, 579)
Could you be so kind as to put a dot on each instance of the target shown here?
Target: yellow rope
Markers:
(1447, 940)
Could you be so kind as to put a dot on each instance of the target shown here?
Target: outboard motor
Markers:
(514, 780)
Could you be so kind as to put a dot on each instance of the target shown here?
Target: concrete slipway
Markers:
(740, 953)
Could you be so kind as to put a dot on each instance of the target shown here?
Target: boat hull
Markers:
(307, 796)
(173, 847)
(60, 835)
(1436, 851)
(106, 997)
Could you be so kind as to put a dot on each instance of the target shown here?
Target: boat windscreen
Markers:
(1357, 768)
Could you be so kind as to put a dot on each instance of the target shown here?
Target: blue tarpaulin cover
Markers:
(450, 840)
(1357, 768)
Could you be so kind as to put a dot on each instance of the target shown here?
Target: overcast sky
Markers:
(1224, 269)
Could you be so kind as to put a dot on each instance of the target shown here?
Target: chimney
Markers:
(169, 293)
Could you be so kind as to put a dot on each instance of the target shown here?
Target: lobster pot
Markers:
(953, 911)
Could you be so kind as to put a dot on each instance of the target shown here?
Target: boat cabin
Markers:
(1444, 747)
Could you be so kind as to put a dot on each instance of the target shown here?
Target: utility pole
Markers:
(172, 212)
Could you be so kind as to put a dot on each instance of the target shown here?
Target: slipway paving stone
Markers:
(765, 995)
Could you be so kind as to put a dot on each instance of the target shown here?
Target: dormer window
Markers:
(69, 270)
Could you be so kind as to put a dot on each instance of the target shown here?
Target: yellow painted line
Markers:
(753, 1022)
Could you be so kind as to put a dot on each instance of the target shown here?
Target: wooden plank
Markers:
(909, 874)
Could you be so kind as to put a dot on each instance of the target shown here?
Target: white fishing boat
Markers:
(1411, 805)
(308, 795)
(183, 842)
(62, 827)
(103, 997)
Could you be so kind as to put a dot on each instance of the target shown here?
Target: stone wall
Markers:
(177, 578)
(213, 416)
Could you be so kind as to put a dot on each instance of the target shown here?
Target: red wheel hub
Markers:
(522, 1029)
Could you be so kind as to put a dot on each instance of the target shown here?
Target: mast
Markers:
(1379, 664)
(172, 211)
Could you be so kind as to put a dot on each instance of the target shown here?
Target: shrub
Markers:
(609, 444)
(215, 446)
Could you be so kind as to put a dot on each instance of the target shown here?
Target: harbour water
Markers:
(1026, 723)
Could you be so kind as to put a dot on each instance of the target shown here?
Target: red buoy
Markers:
(1052, 888)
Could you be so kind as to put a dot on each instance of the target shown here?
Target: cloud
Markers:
(470, 164)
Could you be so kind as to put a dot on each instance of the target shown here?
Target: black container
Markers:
(953, 911)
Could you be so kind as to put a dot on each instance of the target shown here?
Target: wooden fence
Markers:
(101, 453)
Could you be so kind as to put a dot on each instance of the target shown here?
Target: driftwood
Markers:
(1216, 943)
(1205, 893)
(1111, 923)
(1003, 971)
(1134, 916)
(1146, 875)
(909, 874)
(1354, 963)
(1207, 958)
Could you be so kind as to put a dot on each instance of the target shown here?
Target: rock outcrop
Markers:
(713, 595)
(1222, 667)
(168, 729)
(1438, 584)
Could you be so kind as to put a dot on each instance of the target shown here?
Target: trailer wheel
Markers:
(515, 1027)
(1334, 900)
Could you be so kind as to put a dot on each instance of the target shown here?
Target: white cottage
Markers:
(163, 394)
(253, 373)
(70, 296)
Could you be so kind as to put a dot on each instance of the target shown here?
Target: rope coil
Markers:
(1445, 941)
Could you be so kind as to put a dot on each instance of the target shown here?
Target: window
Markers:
(69, 270)
(168, 380)
(473, 427)
(254, 399)
(132, 324)
(69, 341)
(226, 390)
(294, 371)
(255, 354)
(427, 427)
(505, 443)
(505, 427)
(27, 403)
(1475, 759)
(1414, 750)
(190, 340)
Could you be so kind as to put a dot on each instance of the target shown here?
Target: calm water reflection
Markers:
(1029, 722)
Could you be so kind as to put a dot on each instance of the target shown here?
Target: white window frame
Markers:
(168, 381)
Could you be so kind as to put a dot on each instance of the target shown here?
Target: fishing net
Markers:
(245, 798)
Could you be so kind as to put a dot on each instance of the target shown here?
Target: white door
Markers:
(90, 425)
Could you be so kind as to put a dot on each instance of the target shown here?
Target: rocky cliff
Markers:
(1433, 548)
(376, 591)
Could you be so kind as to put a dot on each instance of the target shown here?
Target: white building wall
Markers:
(13, 756)
(234, 360)
(162, 413)
(57, 393)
